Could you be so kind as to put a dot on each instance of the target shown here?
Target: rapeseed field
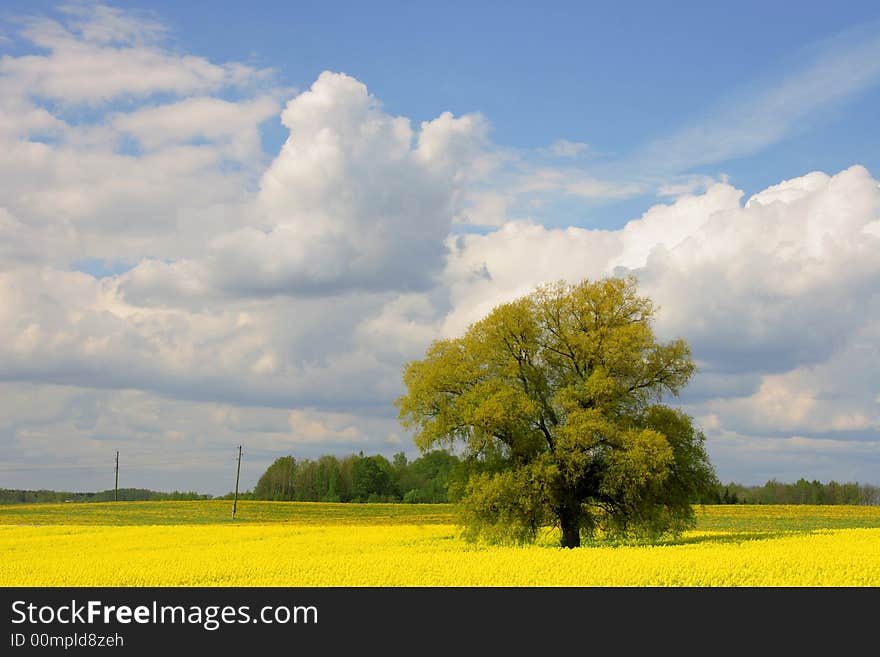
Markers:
(312, 544)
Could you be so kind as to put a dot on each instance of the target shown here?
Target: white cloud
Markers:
(149, 181)
(97, 23)
(372, 199)
(355, 200)
(769, 286)
(233, 125)
(667, 226)
(118, 206)
(401, 328)
(688, 185)
(756, 117)
(311, 426)
(104, 55)
(566, 148)
(485, 270)
(589, 187)
(575, 183)
(486, 208)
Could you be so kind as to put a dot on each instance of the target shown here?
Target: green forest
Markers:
(438, 476)
(800, 492)
(434, 477)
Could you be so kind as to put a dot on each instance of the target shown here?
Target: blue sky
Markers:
(177, 280)
(615, 76)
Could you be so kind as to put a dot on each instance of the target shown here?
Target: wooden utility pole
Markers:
(237, 473)
(116, 483)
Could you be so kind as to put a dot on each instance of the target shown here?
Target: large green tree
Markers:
(556, 398)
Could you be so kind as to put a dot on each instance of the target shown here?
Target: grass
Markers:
(213, 512)
(711, 518)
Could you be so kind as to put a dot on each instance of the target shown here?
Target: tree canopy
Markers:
(556, 399)
(357, 478)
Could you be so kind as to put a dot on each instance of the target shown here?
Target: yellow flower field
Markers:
(733, 546)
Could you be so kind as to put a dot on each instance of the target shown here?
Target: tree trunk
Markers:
(569, 521)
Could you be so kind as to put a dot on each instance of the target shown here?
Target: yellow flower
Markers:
(289, 544)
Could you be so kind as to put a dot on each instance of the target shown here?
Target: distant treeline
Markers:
(440, 477)
(800, 492)
(434, 477)
(359, 478)
(14, 496)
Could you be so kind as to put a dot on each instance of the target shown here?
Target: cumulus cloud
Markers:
(68, 328)
(355, 200)
(785, 280)
(485, 270)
